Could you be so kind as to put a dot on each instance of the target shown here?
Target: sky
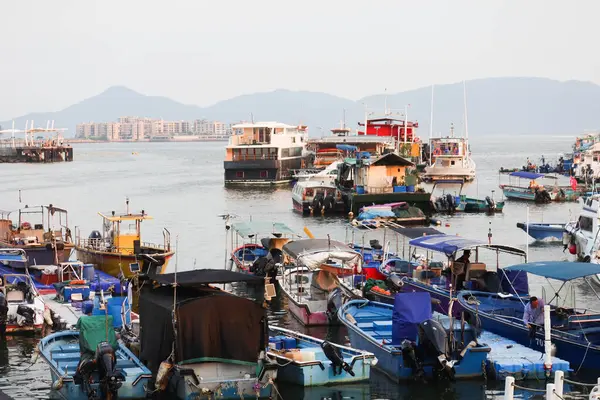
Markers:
(57, 53)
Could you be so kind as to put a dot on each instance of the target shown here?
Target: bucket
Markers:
(360, 190)
(88, 272)
(410, 188)
(114, 305)
(399, 189)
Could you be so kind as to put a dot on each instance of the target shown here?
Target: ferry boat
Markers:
(264, 153)
(118, 249)
(42, 231)
(450, 159)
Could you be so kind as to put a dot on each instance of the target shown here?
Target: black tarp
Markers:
(210, 324)
(415, 232)
(206, 276)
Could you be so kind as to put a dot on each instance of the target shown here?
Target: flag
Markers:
(573, 182)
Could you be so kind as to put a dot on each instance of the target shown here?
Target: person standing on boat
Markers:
(534, 312)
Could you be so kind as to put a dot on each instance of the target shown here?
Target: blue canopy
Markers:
(560, 270)
(410, 309)
(373, 213)
(526, 174)
(446, 244)
(346, 147)
(8, 256)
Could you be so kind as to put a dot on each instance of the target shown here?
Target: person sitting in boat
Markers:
(459, 268)
(534, 312)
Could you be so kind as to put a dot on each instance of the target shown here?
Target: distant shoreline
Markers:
(177, 140)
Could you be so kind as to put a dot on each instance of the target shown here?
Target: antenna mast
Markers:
(431, 124)
(466, 121)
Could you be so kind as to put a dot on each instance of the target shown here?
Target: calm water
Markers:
(181, 186)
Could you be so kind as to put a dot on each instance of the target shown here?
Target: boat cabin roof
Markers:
(450, 245)
(530, 175)
(559, 270)
(199, 277)
(298, 248)
(253, 228)
(13, 255)
(125, 217)
(416, 232)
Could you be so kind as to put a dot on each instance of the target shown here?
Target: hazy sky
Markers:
(55, 53)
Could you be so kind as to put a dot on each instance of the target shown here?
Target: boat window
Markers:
(586, 224)
(285, 152)
(264, 174)
(309, 192)
(452, 162)
(239, 174)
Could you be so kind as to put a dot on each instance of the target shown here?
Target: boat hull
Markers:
(543, 231)
(354, 201)
(304, 208)
(303, 314)
(40, 254)
(113, 264)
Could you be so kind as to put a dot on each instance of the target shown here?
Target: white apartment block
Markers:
(136, 128)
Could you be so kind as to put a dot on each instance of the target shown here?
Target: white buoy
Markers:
(509, 388)
(547, 342)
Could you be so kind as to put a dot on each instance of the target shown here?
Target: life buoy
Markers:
(437, 152)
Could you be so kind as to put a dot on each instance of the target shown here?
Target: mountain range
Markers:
(494, 106)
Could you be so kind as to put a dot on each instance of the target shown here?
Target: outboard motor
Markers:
(433, 342)
(329, 202)
(337, 361)
(110, 379)
(491, 203)
(410, 359)
(317, 202)
(396, 281)
(25, 316)
(334, 302)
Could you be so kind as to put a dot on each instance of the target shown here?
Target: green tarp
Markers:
(92, 331)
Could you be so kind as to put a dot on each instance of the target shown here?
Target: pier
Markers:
(42, 149)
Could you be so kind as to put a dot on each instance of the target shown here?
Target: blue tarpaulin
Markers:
(375, 213)
(346, 147)
(410, 309)
(526, 174)
(560, 270)
(446, 244)
(514, 282)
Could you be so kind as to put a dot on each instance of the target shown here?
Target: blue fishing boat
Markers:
(308, 361)
(411, 342)
(575, 332)
(114, 372)
(531, 191)
(541, 231)
(440, 281)
(201, 341)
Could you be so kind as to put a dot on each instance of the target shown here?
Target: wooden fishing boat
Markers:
(307, 361)
(117, 250)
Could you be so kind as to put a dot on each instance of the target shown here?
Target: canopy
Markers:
(560, 270)
(199, 277)
(376, 212)
(210, 323)
(12, 255)
(315, 252)
(252, 228)
(346, 147)
(416, 232)
(526, 174)
(445, 243)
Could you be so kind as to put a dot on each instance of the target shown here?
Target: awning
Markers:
(446, 244)
(560, 270)
(415, 232)
(526, 174)
(250, 229)
(302, 247)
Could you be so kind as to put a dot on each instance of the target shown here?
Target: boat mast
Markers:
(431, 125)
(466, 121)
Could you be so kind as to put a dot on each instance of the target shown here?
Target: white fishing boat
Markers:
(449, 156)
(582, 233)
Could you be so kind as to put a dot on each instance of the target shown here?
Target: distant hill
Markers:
(495, 105)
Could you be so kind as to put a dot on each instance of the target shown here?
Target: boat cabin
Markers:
(35, 225)
(380, 175)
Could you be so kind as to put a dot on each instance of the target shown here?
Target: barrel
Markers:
(87, 306)
(360, 190)
(114, 305)
(88, 272)
(410, 188)
(399, 189)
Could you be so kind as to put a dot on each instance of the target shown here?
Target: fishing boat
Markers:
(441, 281)
(543, 231)
(307, 361)
(319, 274)
(534, 191)
(199, 340)
(582, 232)
(118, 249)
(25, 306)
(317, 196)
(108, 371)
(42, 231)
(412, 343)
(575, 332)
(487, 205)
(253, 240)
(398, 213)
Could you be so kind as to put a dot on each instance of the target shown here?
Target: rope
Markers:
(580, 383)
(276, 391)
(529, 389)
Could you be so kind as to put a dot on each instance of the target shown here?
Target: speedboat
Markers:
(583, 232)
(90, 363)
(412, 343)
(317, 196)
(543, 231)
(307, 361)
(575, 332)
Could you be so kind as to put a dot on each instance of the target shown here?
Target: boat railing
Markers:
(100, 244)
(253, 157)
(379, 189)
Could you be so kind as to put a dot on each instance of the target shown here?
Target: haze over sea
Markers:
(181, 186)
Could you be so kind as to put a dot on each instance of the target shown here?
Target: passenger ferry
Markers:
(264, 153)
